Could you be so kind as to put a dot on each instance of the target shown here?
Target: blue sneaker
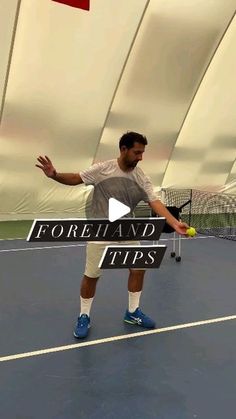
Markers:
(82, 326)
(139, 318)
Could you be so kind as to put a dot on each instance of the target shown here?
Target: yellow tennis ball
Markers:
(191, 231)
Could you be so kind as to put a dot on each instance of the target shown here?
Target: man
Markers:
(120, 179)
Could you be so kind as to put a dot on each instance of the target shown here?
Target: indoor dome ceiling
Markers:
(73, 81)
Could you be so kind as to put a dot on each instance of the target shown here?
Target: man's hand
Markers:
(65, 178)
(180, 227)
(46, 166)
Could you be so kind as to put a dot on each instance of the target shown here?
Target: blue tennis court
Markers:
(183, 369)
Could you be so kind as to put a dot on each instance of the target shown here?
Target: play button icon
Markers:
(116, 209)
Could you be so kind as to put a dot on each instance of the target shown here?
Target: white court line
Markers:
(171, 238)
(189, 238)
(15, 238)
(114, 339)
(40, 248)
(77, 245)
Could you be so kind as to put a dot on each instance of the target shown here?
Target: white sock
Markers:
(134, 298)
(85, 305)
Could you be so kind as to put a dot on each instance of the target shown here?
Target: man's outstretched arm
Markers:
(49, 170)
(162, 211)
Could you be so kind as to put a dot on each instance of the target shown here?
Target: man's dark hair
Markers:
(130, 138)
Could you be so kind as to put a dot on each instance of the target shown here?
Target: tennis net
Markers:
(209, 212)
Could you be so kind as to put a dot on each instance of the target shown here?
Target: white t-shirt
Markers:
(110, 181)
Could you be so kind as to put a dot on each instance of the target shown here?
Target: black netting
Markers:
(210, 213)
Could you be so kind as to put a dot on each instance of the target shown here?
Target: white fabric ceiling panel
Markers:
(173, 49)
(65, 67)
(8, 15)
(205, 151)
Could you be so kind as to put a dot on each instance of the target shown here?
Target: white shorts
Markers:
(94, 252)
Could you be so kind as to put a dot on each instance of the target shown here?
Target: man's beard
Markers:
(132, 164)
